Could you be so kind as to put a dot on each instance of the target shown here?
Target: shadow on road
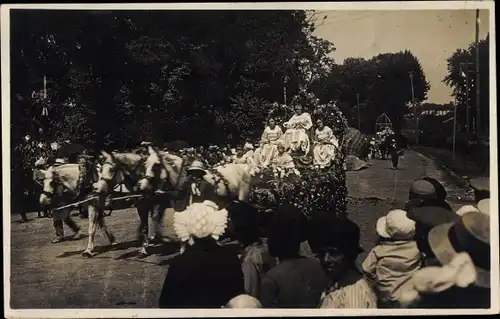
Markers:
(103, 249)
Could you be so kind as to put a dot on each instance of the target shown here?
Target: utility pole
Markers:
(454, 125)
(414, 105)
(478, 100)
(284, 90)
(359, 119)
(464, 68)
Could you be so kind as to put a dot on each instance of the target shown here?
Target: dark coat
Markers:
(206, 275)
(293, 283)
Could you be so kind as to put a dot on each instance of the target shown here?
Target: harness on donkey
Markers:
(83, 186)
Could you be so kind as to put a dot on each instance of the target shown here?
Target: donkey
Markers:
(167, 173)
(69, 183)
(127, 169)
(230, 181)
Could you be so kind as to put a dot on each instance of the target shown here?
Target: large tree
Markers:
(460, 62)
(382, 84)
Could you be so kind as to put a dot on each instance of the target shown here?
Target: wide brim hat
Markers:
(197, 166)
(484, 206)
(470, 234)
(432, 216)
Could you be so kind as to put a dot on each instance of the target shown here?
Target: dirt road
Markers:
(44, 275)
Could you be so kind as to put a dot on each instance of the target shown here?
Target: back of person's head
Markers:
(243, 301)
(244, 222)
(286, 231)
(326, 231)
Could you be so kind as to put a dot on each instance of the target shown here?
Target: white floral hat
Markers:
(200, 220)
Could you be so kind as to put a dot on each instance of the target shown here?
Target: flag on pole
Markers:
(44, 86)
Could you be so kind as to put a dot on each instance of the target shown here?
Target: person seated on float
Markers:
(325, 145)
(272, 133)
(283, 163)
(249, 158)
(296, 138)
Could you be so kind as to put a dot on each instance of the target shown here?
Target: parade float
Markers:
(314, 190)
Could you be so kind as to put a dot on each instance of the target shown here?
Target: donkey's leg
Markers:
(102, 226)
(143, 209)
(92, 211)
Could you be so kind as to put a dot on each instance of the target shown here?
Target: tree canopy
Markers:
(193, 75)
(383, 84)
(460, 62)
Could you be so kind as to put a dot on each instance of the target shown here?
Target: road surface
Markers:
(44, 275)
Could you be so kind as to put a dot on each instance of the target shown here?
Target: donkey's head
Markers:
(155, 171)
(118, 168)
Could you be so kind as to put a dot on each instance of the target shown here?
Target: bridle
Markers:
(126, 173)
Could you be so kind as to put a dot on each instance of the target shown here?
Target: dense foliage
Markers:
(314, 191)
(457, 68)
(383, 84)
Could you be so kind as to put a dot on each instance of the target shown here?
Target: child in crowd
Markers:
(395, 258)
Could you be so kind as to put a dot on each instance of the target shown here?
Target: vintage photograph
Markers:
(201, 158)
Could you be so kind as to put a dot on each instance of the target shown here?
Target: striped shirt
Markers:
(351, 292)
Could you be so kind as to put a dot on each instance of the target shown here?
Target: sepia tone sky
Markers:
(432, 36)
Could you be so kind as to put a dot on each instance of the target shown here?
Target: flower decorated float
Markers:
(312, 188)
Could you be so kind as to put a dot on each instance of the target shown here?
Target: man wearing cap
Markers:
(423, 192)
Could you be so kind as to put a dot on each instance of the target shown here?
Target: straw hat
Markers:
(470, 234)
(197, 166)
(484, 206)
(466, 209)
(396, 225)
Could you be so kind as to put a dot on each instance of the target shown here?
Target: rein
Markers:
(129, 182)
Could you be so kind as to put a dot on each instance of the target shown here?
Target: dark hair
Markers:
(326, 230)
(244, 222)
(286, 231)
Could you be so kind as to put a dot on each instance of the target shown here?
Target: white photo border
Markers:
(174, 313)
